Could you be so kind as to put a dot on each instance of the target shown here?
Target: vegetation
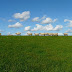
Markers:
(35, 54)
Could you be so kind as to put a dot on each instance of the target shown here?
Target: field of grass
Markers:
(35, 54)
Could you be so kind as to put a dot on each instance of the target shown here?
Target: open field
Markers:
(35, 53)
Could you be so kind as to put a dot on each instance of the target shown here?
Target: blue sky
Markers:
(52, 9)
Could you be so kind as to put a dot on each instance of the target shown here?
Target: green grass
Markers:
(35, 54)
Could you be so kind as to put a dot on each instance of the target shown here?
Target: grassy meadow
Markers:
(35, 53)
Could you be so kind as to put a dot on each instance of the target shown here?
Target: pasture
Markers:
(35, 53)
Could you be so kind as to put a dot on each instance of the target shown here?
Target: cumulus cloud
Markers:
(47, 27)
(10, 20)
(38, 27)
(36, 19)
(44, 20)
(27, 32)
(65, 20)
(58, 27)
(16, 25)
(22, 16)
(43, 17)
(48, 21)
(60, 34)
(27, 28)
(69, 31)
(55, 20)
(70, 22)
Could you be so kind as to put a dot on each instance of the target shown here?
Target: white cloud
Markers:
(10, 20)
(58, 27)
(47, 27)
(48, 21)
(55, 20)
(43, 17)
(27, 28)
(44, 20)
(36, 19)
(38, 27)
(27, 32)
(60, 34)
(22, 16)
(69, 31)
(16, 25)
(70, 22)
(65, 20)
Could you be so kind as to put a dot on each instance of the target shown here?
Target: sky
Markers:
(35, 16)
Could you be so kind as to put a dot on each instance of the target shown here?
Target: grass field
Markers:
(35, 54)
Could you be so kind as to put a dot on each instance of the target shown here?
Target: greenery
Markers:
(35, 53)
